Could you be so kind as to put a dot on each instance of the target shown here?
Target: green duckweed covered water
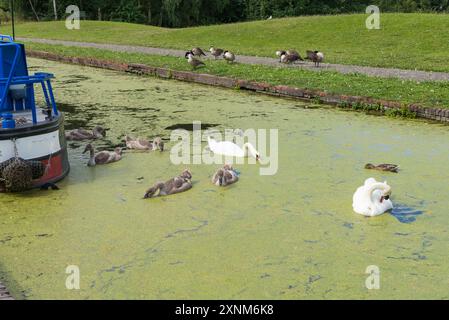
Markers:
(289, 236)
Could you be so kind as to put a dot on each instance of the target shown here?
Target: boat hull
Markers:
(45, 142)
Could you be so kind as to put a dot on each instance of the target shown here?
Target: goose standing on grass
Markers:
(288, 58)
(175, 185)
(316, 56)
(142, 144)
(194, 62)
(225, 176)
(373, 198)
(295, 54)
(198, 52)
(230, 149)
(280, 53)
(103, 157)
(383, 167)
(216, 52)
(82, 134)
(229, 56)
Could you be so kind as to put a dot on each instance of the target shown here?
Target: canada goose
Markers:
(82, 134)
(193, 61)
(295, 53)
(383, 167)
(103, 157)
(216, 52)
(225, 176)
(280, 53)
(142, 144)
(290, 56)
(175, 185)
(198, 52)
(316, 56)
(229, 56)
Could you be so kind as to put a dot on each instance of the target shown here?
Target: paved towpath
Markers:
(345, 69)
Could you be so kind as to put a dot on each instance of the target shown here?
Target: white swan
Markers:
(227, 148)
(373, 198)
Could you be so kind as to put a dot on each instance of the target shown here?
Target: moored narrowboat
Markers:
(30, 132)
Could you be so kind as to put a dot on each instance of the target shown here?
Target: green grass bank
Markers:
(431, 94)
(406, 41)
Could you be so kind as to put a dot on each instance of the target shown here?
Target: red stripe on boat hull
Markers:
(57, 170)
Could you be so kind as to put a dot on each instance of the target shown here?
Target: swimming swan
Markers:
(373, 198)
(227, 148)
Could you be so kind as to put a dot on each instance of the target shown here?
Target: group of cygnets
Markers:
(285, 56)
(224, 176)
(371, 199)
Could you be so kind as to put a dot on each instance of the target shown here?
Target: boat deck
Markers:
(24, 118)
(4, 294)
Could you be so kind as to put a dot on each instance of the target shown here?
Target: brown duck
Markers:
(175, 185)
(383, 167)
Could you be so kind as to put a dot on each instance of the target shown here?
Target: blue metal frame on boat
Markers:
(29, 131)
(11, 61)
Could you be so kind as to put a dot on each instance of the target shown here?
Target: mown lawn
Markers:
(434, 94)
(408, 41)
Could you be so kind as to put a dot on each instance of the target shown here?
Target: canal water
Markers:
(292, 235)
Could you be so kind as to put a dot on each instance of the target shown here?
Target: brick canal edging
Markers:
(354, 102)
(4, 294)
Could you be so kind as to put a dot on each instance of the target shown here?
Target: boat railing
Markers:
(11, 72)
(17, 86)
(4, 37)
(42, 78)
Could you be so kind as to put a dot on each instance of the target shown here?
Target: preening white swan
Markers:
(373, 198)
(227, 148)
